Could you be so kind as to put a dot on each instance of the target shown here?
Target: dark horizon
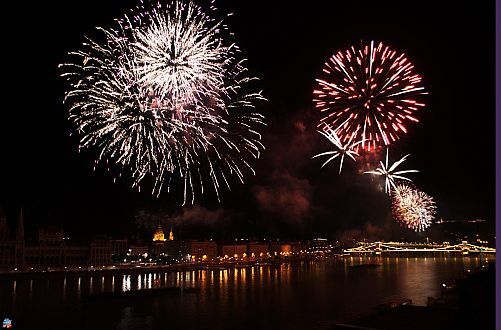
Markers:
(451, 46)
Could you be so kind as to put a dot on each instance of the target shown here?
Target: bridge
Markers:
(377, 248)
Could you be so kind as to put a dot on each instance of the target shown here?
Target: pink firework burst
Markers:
(369, 94)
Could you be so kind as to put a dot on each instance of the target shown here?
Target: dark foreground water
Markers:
(287, 296)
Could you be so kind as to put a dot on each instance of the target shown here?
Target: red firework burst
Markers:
(368, 94)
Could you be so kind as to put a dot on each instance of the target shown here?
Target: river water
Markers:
(300, 295)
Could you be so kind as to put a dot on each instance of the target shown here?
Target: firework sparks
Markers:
(369, 94)
(185, 121)
(342, 149)
(390, 173)
(412, 208)
(181, 51)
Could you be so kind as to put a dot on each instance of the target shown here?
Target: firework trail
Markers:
(390, 173)
(412, 208)
(368, 94)
(161, 96)
(342, 150)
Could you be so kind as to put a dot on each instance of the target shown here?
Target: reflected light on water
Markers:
(315, 290)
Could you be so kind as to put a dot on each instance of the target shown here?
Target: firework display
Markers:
(181, 52)
(341, 149)
(367, 97)
(368, 94)
(165, 94)
(412, 208)
(390, 173)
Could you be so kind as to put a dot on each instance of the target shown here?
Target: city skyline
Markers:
(450, 231)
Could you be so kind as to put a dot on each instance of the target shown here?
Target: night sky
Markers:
(286, 43)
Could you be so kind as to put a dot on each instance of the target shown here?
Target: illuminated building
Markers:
(201, 249)
(280, 249)
(299, 247)
(138, 250)
(233, 250)
(159, 245)
(320, 243)
(257, 250)
(159, 234)
(194, 249)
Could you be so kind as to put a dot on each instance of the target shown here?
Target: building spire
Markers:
(20, 227)
(171, 235)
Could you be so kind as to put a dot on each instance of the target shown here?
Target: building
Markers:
(178, 249)
(51, 234)
(159, 236)
(320, 243)
(233, 251)
(11, 248)
(100, 253)
(52, 249)
(119, 247)
(138, 250)
(191, 250)
(280, 249)
(206, 250)
(159, 241)
(63, 255)
(299, 247)
(257, 250)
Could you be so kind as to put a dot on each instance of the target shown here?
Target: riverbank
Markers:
(146, 268)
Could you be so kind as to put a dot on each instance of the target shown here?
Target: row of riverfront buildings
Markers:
(208, 250)
(52, 249)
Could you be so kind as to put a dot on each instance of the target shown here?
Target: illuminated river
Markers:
(299, 295)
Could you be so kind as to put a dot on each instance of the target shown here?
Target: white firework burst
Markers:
(178, 126)
(390, 173)
(342, 150)
(180, 50)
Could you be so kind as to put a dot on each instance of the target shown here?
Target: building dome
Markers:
(159, 234)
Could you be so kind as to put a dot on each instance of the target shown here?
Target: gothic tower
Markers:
(19, 243)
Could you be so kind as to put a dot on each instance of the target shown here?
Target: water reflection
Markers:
(298, 294)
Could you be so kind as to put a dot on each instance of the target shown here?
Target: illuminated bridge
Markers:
(397, 248)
